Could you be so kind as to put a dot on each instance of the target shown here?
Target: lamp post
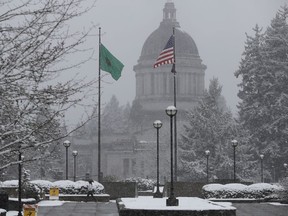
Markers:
(171, 201)
(19, 181)
(157, 124)
(234, 144)
(207, 152)
(74, 153)
(261, 158)
(66, 144)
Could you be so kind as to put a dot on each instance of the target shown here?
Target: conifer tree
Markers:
(263, 109)
(211, 127)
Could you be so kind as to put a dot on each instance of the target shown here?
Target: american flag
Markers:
(167, 54)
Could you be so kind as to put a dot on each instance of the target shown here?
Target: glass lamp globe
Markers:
(171, 111)
(67, 143)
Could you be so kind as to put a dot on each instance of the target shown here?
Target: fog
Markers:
(217, 27)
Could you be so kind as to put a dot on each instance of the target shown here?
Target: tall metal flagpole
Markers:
(175, 118)
(99, 113)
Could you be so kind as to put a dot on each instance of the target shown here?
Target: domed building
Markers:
(155, 86)
(134, 154)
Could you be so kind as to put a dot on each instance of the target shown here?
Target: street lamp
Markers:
(157, 124)
(66, 144)
(171, 201)
(261, 158)
(234, 144)
(74, 153)
(207, 152)
(20, 157)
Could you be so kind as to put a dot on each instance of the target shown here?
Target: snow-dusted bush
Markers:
(2, 211)
(143, 184)
(43, 185)
(10, 183)
(37, 187)
(254, 191)
(79, 187)
(284, 194)
(29, 190)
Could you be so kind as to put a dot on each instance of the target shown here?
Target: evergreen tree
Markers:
(276, 99)
(114, 120)
(263, 110)
(211, 127)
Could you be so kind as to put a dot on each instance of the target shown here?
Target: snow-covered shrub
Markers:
(143, 184)
(35, 188)
(284, 193)
(3, 211)
(79, 187)
(10, 183)
(31, 191)
(43, 185)
(254, 191)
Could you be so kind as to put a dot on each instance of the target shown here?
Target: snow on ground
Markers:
(12, 213)
(51, 203)
(23, 200)
(42, 203)
(278, 204)
(185, 203)
(2, 210)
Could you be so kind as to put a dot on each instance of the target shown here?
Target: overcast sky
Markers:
(217, 26)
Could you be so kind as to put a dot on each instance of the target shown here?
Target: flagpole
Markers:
(175, 104)
(99, 112)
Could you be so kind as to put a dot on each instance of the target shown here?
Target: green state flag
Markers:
(109, 63)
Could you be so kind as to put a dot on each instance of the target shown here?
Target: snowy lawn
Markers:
(185, 203)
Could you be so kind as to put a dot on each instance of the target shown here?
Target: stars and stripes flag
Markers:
(167, 54)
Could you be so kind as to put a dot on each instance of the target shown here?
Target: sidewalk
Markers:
(80, 208)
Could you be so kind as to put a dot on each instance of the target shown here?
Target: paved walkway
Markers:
(260, 209)
(80, 208)
(110, 209)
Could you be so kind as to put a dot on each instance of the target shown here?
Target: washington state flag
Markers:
(110, 63)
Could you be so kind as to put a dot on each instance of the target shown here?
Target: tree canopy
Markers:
(263, 71)
(35, 44)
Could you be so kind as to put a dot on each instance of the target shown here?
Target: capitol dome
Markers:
(154, 44)
(155, 86)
